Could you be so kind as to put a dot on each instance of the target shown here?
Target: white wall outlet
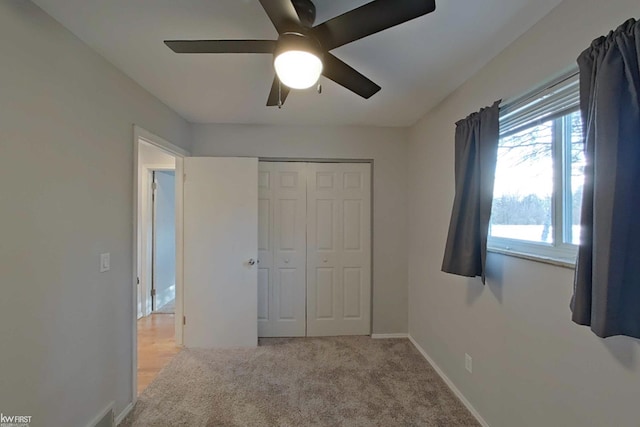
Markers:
(468, 363)
(105, 262)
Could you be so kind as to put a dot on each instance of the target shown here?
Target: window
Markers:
(539, 175)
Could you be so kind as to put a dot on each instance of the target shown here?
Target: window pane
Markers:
(522, 207)
(575, 177)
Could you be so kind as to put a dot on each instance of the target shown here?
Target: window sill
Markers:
(558, 262)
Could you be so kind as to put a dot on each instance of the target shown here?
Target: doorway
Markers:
(156, 229)
(157, 336)
(314, 243)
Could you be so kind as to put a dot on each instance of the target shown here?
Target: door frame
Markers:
(141, 135)
(372, 177)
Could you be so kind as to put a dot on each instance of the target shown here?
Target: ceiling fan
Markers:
(301, 53)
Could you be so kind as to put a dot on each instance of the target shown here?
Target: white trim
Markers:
(563, 252)
(179, 308)
(109, 408)
(388, 336)
(514, 102)
(449, 383)
(124, 413)
(134, 271)
(142, 135)
(161, 168)
(558, 262)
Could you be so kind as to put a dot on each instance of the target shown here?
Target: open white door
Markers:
(220, 252)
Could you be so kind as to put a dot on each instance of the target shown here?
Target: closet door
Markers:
(281, 249)
(338, 249)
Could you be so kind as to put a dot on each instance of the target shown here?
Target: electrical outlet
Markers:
(468, 363)
(105, 262)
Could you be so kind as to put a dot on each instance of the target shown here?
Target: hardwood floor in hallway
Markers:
(156, 346)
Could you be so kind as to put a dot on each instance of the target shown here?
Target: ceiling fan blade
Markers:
(341, 73)
(369, 19)
(283, 90)
(221, 46)
(282, 14)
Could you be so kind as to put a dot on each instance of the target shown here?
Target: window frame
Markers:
(559, 252)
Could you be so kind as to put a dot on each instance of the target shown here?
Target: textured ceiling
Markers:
(417, 63)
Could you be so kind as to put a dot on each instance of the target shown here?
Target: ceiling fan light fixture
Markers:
(302, 52)
(298, 69)
(297, 60)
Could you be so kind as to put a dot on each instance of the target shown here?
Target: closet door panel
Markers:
(282, 251)
(338, 249)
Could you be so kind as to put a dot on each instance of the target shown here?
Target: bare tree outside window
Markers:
(525, 189)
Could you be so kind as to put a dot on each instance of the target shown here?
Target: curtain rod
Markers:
(513, 102)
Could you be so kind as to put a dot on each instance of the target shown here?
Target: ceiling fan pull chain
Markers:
(279, 94)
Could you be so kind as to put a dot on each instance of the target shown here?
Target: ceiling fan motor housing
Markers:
(292, 40)
(306, 11)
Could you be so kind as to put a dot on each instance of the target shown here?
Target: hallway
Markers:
(156, 346)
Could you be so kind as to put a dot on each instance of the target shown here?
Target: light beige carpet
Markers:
(344, 381)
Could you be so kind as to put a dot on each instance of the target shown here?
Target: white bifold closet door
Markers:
(281, 249)
(338, 249)
(314, 275)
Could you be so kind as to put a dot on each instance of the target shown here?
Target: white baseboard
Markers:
(450, 384)
(124, 413)
(387, 336)
(101, 415)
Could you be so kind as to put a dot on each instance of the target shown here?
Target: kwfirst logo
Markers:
(15, 420)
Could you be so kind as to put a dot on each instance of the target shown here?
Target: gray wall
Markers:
(531, 365)
(66, 193)
(386, 146)
(66, 162)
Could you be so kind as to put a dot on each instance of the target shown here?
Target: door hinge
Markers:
(153, 292)
(137, 280)
(184, 320)
(154, 186)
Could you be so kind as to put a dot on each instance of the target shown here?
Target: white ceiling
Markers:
(417, 63)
